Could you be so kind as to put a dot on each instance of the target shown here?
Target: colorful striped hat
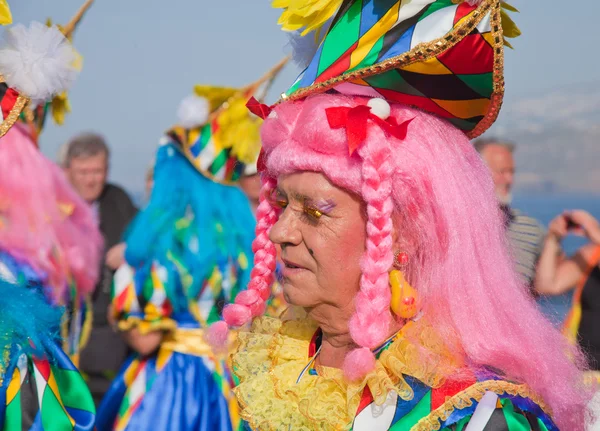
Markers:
(224, 145)
(443, 56)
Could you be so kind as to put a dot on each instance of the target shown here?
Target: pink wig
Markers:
(42, 219)
(439, 194)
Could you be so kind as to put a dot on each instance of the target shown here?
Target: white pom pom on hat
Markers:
(380, 107)
(193, 111)
(38, 61)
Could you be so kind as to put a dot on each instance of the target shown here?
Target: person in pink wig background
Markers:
(49, 246)
(44, 221)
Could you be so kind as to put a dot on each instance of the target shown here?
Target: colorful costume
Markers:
(49, 246)
(384, 111)
(282, 389)
(188, 255)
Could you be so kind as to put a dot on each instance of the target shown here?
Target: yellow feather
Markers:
(509, 27)
(216, 96)
(60, 107)
(309, 15)
(238, 130)
(5, 15)
(509, 7)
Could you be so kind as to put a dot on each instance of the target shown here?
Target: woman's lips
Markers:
(291, 268)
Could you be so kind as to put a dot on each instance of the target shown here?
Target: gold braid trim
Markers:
(475, 393)
(14, 114)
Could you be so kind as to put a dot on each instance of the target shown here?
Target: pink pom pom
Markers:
(358, 364)
(236, 315)
(217, 335)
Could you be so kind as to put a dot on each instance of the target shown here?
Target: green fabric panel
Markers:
(13, 417)
(219, 162)
(514, 420)
(341, 37)
(54, 417)
(422, 409)
(481, 83)
(77, 396)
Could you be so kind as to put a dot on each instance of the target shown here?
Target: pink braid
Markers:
(251, 303)
(370, 324)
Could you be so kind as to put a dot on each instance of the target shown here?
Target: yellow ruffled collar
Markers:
(272, 355)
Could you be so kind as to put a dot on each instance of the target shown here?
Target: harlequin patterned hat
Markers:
(36, 63)
(223, 145)
(443, 56)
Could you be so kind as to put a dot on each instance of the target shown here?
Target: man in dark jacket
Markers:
(86, 165)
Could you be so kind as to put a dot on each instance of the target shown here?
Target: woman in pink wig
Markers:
(407, 312)
(49, 248)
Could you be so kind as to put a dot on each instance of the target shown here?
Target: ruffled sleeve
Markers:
(139, 299)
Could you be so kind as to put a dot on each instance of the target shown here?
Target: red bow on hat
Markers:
(259, 109)
(355, 121)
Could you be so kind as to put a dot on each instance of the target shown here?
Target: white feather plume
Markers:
(303, 48)
(193, 111)
(37, 61)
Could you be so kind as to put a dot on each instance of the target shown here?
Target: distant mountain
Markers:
(558, 139)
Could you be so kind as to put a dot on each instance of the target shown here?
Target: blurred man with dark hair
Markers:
(85, 161)
(526, 234)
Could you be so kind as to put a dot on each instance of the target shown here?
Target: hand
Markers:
(115, 257)
(557, 229)
(587, 225)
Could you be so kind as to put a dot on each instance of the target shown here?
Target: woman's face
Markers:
(321, 231)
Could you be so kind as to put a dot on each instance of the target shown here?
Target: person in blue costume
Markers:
(188, 254)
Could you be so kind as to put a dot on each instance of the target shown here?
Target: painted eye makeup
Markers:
(278, 199)
(315, 210)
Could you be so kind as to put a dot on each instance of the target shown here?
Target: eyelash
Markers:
(309, 214)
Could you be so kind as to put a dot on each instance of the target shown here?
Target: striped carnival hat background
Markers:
(443, 56)
(226, 145)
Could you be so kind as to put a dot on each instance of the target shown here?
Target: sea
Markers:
(545, 207)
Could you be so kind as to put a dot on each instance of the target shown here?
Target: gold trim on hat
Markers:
(15, 111)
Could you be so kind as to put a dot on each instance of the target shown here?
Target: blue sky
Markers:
(142, 57)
